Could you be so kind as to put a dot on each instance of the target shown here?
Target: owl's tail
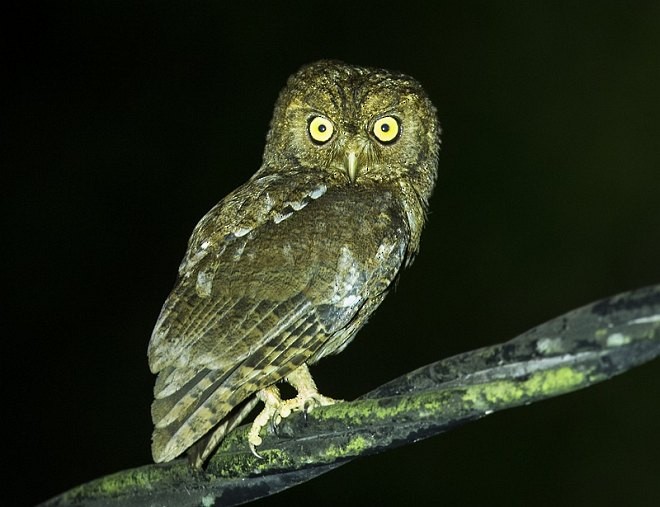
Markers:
(200, 452)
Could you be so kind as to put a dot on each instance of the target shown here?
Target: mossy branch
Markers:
(573, 351)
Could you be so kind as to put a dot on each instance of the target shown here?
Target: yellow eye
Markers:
(320, 129)
(386, 129)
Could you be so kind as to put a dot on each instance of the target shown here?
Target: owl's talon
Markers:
(308, 395)
(254, 450)
(275, 408)
(318, 400)
(272, 401)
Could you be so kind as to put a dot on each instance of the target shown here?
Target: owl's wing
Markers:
(184, 411)
(256, 298)
(213, 274)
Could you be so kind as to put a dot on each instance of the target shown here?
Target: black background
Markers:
(124, 122)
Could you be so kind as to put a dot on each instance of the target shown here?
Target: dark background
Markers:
(124, 122)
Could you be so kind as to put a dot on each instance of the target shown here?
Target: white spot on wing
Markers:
(204, 284)
(318, 191)
(239, 250)
(282, 216)
(296, 205)
(188, 262)
(241, 232)
(350, 300)
(384, 250)
(268, 202)
(347, 280)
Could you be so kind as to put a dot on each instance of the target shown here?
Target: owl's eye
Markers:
(386, 129)
(320, 129)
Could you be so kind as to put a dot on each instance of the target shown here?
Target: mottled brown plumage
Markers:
(288, 267)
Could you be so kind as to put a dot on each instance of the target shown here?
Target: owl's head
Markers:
(358, 124)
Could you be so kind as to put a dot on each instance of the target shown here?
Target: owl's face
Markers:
(361, 125)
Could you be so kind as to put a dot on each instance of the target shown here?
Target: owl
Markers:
(287, 268)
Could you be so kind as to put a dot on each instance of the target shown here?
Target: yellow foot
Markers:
(272, 401)
(304, 402)
(277, 409)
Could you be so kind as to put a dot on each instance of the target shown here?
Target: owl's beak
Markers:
(351, 165)
(355, 154)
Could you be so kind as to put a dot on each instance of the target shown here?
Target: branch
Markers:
(573, 351)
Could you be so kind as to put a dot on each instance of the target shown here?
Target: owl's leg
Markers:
(272, 401)
(276, 409)
(308, 394)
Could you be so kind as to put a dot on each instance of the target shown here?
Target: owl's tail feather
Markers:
(200, 452)
(175, 429)
(183, 402)
(186, 416)
(191, 419)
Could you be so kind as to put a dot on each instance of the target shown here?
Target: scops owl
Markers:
(288, 267)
